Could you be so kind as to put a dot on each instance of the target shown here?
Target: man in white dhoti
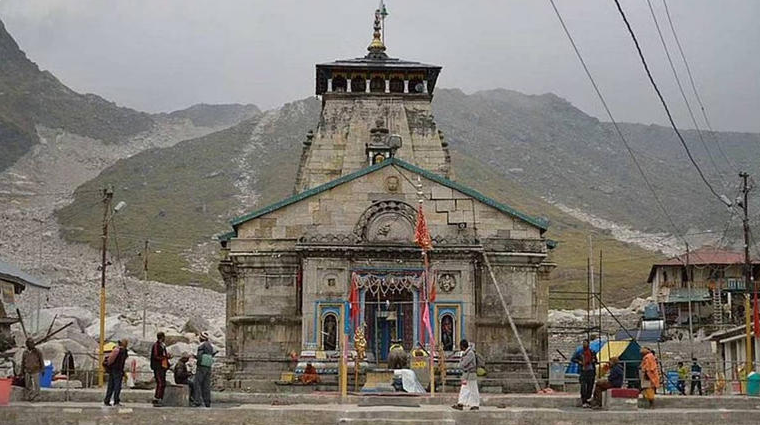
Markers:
(469, 396)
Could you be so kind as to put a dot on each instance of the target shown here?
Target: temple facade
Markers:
(375, 155)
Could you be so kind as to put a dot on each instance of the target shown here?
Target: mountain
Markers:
(566, 156)
(30, 97)
(225, 115)
(180, 196)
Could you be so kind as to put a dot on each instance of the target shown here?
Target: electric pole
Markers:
(747, 276)
(107, 198)
(145, 282)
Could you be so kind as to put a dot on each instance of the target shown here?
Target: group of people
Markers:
(649, 376)
(695, 372)
(199, 384)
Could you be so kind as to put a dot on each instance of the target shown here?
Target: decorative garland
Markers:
(386, 283)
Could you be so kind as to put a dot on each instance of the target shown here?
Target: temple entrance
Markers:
(390, 319)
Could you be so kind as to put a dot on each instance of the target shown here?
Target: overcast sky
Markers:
(161, 55)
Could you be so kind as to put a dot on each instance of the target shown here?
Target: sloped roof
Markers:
(12, 274)
(707, 255)
(535, 221)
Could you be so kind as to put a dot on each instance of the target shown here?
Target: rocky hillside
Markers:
(30, 97)
(568, 157)
(180, 196)
(205, 115)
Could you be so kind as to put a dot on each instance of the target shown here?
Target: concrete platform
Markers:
(22, 413)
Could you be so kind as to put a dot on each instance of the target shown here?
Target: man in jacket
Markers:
(205, 358)
(614, 380)
(586, 359)
(182, 375)
(696, 377)
(159, 363)
(114, 365)
(469, 396)
(32, 364)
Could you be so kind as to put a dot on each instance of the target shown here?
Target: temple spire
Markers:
(377, 47)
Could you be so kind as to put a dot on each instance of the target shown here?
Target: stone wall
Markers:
(338, 147)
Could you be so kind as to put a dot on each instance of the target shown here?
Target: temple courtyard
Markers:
(85, 408)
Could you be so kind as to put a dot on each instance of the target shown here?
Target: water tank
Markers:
(651, 311)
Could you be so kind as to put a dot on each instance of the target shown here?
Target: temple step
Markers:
(379, 421)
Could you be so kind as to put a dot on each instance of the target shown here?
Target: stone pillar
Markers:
(366, 88)
(387, 85)
(406, 86)
(348, 85)
(425, 89)
(329, 84)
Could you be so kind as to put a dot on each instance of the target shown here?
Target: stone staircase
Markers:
(407, 416)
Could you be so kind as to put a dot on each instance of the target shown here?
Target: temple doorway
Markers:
(390, 319)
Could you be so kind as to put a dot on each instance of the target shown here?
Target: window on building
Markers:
(397, 85)
(377, 85)
(339, 84)
(358, 85)
(416, 86)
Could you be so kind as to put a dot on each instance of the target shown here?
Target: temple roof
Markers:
(365, 62)
(535, 221)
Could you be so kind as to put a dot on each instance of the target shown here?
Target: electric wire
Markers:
(683, 94)
(662, 101)
(694, 86)
(675, 227)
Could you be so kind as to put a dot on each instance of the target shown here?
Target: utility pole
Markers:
(107, 198)
(145, 282)
(689, 276)
(592, 287)
(747, 276)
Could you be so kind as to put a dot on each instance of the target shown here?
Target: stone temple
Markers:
(289, 267)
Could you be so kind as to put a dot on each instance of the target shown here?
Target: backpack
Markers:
(480, 365)
(112, 356)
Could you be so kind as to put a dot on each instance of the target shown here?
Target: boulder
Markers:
(178, 348)
(196, 324)
(54, 351)
(67, 384)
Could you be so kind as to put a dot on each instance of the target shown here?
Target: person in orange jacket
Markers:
(649, 373)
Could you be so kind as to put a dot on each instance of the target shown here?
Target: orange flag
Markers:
(421, 233)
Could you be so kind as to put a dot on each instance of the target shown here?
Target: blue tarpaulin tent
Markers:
(594, 345)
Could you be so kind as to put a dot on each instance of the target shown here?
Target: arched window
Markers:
(358, 85)
(329, 332)
(447, 332)
(377, 85)
(415, 86)
(397, 85)
(339, 83)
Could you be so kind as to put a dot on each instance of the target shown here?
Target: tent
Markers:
(594, 345)
(629, 353)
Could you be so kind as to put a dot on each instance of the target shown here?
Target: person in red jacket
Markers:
(159, 363)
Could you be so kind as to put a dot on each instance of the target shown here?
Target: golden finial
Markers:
(377, 47)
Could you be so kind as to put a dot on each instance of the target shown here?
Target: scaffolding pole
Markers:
(511, 322)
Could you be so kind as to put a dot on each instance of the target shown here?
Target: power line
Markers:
(680, 89)
(676, 229)
(664, 104)
(694, 86)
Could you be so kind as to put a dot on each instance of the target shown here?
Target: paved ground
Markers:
(91, 413)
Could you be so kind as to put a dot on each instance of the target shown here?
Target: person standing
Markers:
(614, 380)
(586, 359)
(469, 396)
(683, 373)
(649, 374)
(696, 376)
(32, 365)
(159, 363)
(205, 357)
(114, 365)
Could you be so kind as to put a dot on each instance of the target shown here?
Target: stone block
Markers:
(444, 205)
(464, 204)
(441, 192)
(176, 396)
(457, 217)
